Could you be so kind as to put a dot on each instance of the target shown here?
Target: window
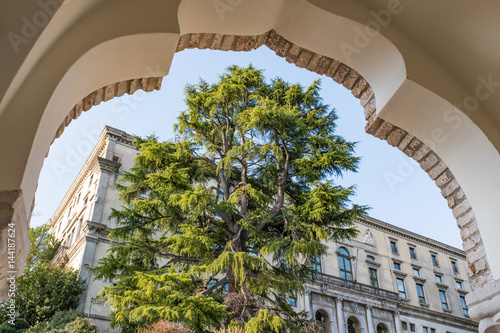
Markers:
(416, 271)
(371, 258)
(454, 266)
(79, 226)
(292, 301)
(394, 247)
(373, 277)
(404, 326)
(465, 309)
(459, 284)
(413, 253)
(420, 293)
(401, 287)
(433, 330)
(439, 279)
(225, 288)
(345, 264)
(425, 329)
(434, 259)
(397, 266)
(90, 180)
(211, 283)
(412, 327)
(316, 266)
(444, 302)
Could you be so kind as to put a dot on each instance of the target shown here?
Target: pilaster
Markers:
(340, 316)
(14, 223)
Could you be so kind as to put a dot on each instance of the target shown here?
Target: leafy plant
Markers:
(46, 289)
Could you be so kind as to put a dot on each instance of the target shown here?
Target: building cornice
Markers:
(434, 316)
(90, 165)
(410, 236)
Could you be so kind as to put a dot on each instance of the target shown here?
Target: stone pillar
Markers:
(397, 322)
(484, 306)
(340, 316)
(91, 240)
(307, 300)
(369, 320)
(107, 168)
(14, 238)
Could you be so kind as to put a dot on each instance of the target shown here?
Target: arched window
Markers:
(381, 328)
(323, 320)
(345, 264)
(353, 325)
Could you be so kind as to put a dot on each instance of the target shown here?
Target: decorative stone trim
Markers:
(105, 94)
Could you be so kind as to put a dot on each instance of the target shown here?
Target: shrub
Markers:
(80, 325)
(231, 330)
(165, 326)
(70, 321)
(62, 318)
(20, 325)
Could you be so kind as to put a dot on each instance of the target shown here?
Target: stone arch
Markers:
(353, 325)
(410, 145)
(382, 327)
(323, 317)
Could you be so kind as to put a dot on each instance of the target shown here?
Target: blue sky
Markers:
(393, 185)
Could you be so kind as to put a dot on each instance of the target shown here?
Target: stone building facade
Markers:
(82, 222)
(386, 280)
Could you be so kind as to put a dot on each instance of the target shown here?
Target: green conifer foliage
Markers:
(219, 228)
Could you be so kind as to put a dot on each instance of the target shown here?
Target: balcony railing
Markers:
(338, 282)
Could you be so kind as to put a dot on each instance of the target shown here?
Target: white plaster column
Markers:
(397, 321)
(340, 316)
(307, 300)
(369, 319)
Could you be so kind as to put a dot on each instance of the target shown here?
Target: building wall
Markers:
(356, 297)
(82, 223)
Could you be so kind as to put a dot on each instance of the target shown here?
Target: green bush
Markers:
(62, 318)
(165, 326)
(7, 328)
(20, 325)
(70, 321)
(40, 328)
(80, 325)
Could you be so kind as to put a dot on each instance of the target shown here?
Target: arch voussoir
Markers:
(105, 94)
(439, 172)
